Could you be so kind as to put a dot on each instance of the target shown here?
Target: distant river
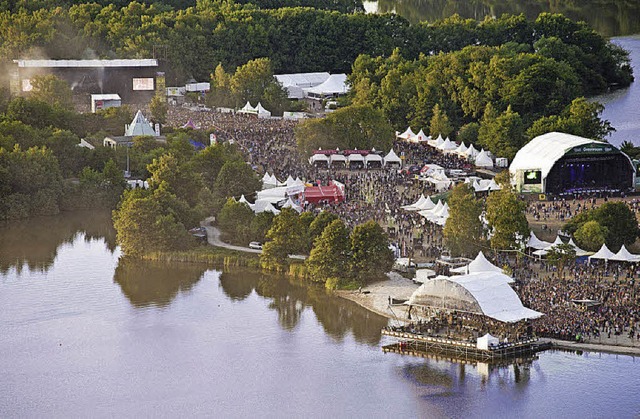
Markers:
(84, 333)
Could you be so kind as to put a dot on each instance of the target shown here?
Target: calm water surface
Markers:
(86, 333)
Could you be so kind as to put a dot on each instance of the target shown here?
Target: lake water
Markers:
(86, 333)
(608, 17)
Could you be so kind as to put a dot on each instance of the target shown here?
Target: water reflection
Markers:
(33, 244)
(147, 283)
(610, 18)
(289, 298)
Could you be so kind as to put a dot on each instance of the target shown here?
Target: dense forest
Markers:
(194, 40)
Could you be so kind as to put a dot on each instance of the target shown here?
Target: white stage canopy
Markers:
(603, 253)
(624, 255)
(478, 293)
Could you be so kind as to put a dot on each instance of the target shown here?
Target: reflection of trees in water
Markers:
(610, 18)
(289, 299)
(147, 283)
(238, 286)
(34, 242)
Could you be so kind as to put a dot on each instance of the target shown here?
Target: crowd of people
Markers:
(583, 302)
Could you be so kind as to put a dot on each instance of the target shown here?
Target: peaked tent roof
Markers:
(139, 126)
(190, 124)
(335, 84)
(535, 243)
(247, 108)
(261, 110)
(392, 157)
(447, 145)
(471, 151)
(580, 252)
(481, 264)
(603, 253)
(408, 133)
(483, 160)
(462, 148)
(624, 255)
(414, 206)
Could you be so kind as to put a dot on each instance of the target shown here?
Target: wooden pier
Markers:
(417, 344)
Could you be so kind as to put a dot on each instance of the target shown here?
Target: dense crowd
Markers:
(584, 302)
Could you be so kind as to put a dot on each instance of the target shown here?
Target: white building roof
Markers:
(86, 63)
(302, 79)
(111, 96)
(544, 151)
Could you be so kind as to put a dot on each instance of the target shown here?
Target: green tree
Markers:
(320, 222)
(507, 219)
(260, 225)
(254, 82)
(463, 231)
(52, 90)
(283, 239)
(468, 133)
(236, 178)
(561, 255)
(590, 236)
(235, 220)
(179, 179)
(370, 253)
(439, 124)
(159, 108)
(330, 257)
(220, 94)
(504, 135)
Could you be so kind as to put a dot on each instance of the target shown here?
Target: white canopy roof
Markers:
(247, 108)
(535, 243)
(355, 157)
(447, 145)
(415, 205)
(477, 293)
(293, 205)
(262, 112)
(338, 158)
(427, 204)
(318, 157)
(603, 253)
(624, 255)
(335, 84)
(483, 160)
(392, 157)
(542, 152)
(580, 252)
(471, 152)
(462, 148)
(419, 137)
(407, 134)
(301, 79)
(373, 157)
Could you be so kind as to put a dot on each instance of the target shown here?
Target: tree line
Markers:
(296, 39)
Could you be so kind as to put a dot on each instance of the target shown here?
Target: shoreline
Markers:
(375, 296)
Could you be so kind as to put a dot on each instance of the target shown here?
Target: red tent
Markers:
(330, 193)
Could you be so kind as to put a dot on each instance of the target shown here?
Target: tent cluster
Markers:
(353, 158)
(434, 213)
(480, 158)
(258, 110)
(542, 247)
(623, 255)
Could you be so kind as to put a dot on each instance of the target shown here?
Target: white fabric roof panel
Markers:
(86, 63)
(542, 152)
(302, 79)
(603, 253)
(335, 84)
(478, 293)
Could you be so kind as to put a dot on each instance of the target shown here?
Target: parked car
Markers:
(255, 245)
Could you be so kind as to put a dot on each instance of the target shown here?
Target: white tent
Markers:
(262, 112)
(243, 200)
(293, 205)
(336, 84)
(337, 158)
(535, 243)
(481, 264)
(427, 204)
(319, 158)
(373, 158)
(139, 126)
(624, 255)
(407, 134)
(447, 145)
(391, 158)
(439, 141)
(415, 205)
(603, 253)
(483, 160)
(461, 149)
(355, 158)
(581, 252)
(493, 185)
(486, 341)
(419, 137)
(476, 293)
(471, 152)
(249, 109)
